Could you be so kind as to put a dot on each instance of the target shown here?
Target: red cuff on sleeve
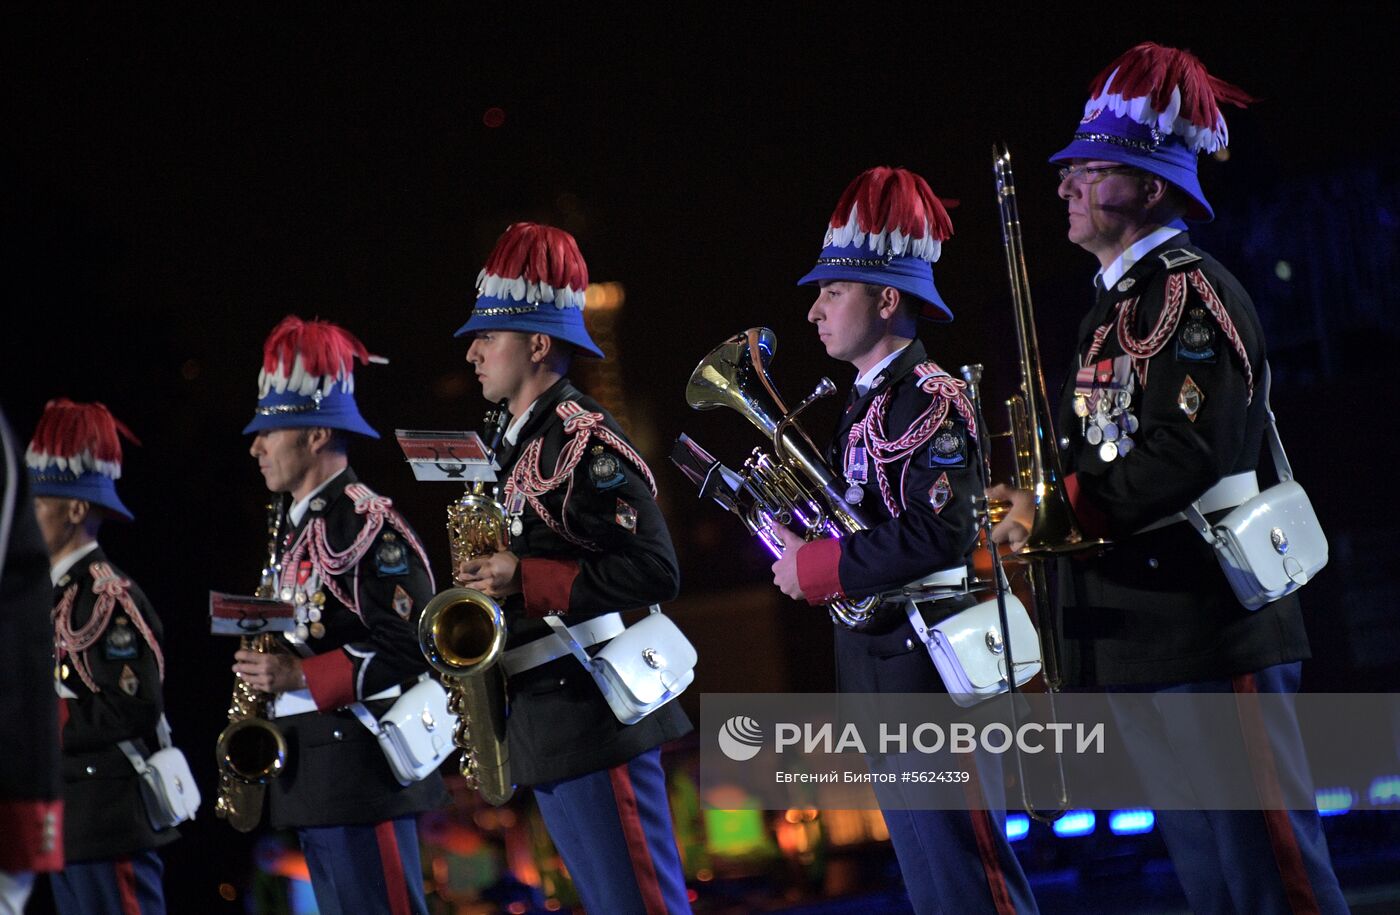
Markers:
(33, 832)
(331, 679)
(818, 571)
(547, 584)
(1092, 521)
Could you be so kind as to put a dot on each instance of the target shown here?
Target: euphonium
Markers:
(735, 375)
(251, 750)
(462, 633)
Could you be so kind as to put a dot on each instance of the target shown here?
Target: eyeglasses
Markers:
(1090, 174)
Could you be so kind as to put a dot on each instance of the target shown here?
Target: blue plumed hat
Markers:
(76, 453)
(1155, 108)
(307, 378)
(535, 281)
(888, 228)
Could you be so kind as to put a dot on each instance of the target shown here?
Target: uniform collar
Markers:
(66, 564)
(539, 412)
(1137, 251)
(513, 430)
(321, 497)
(904, 363)
(866, 380)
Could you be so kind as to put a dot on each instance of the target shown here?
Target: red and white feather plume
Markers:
(1169, 89)
(890, 211)
(535, 263)
(309, 356)
(78, 438)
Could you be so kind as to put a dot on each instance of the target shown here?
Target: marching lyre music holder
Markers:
(460, 457)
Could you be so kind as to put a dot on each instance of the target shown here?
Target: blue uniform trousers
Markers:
(613, 829)
(129, 885)
(958, 862)
(1236, 861)
(372, 868)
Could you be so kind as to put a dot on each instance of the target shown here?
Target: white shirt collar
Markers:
(298, 510)
(513, 430)
(60, 568)
(868, 379)
(1111, 274)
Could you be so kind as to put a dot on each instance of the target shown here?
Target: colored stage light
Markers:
(1017, 826)
(1075, 823)
(1385, 789)
(1131, 822)
(1334, 801)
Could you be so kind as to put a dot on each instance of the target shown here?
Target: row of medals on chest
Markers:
(1105, 419)
(309, 598)
(946, 448)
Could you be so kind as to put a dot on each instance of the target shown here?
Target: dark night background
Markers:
(174, 184)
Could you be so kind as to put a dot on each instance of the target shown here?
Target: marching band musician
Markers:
(907, 451)
(107, 645)
(359, 578)
(31, 809)
(586, 540)
(1166, 404)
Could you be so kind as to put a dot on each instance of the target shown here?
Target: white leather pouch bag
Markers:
(648, 665)
(167, 786)
(1272, 544)
(416, 732)
(969, 651)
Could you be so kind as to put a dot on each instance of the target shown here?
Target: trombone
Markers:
(1039, 469)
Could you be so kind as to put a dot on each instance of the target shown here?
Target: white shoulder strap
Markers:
(128, 748)
(562, 633)
(1284, 469)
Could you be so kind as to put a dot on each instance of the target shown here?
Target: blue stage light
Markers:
(1075, 823)
(1017, 826)
(1334, 801)
(1131, 822)
(1385, 789)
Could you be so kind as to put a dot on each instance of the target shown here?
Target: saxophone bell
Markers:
(462, 633)
(252, 750)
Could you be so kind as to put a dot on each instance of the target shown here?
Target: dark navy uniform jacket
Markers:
(609, 550)
(1156, 608)
(31, 815)
(355, 558)
(934, 488)
(103, 813)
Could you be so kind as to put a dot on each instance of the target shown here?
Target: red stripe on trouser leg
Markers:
(1289, 858)
(984, 828)
(394, 886)
(126, 887)
(642, 866)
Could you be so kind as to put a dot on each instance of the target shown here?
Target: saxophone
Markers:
(251, 750)
(462, 633)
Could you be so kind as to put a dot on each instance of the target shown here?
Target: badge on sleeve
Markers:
(120, 643)
(128, 681)
(403, 604)
(626, 517)
(940, 493)
(1196, 340)
(1190, 398)
(604, 470)
(391, 558)
(948, 448)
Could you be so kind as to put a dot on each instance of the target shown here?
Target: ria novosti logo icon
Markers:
(741, 738)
